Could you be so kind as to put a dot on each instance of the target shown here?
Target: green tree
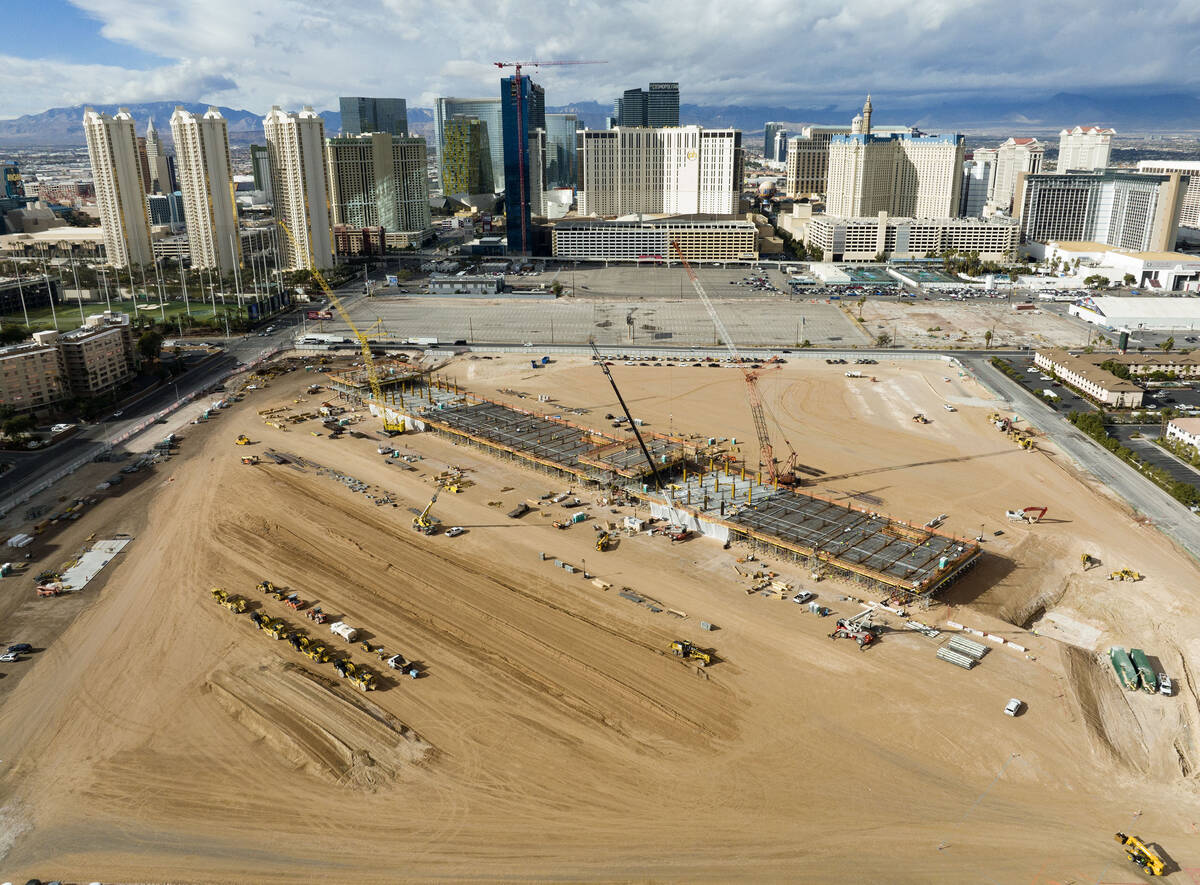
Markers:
(1166, 346)
(18, 425)
(861, 301)
(150, 345)
(987, 338)
(883, 339)
(1129, 279)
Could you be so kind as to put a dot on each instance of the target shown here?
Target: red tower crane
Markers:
(517, 65)
(786, 476)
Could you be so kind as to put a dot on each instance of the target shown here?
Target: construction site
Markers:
(494, 616)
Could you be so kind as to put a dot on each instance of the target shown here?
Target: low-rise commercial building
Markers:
(31, 376)
(868, 239)
(1149, 314)
(700, 237)
(98, 356)
(1186, 430)
(1083, 372)
(466, 285)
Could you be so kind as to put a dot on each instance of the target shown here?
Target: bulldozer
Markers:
(1140, 853)
(681, 648)
(1125, 574)
(364, 679)
(604, 542)
(277, 628)
(235, 604)
(219, 595)
(317, 653)
(858, 628)
(242, 440)
(266, 587)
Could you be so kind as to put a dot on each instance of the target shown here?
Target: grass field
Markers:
(69, 316)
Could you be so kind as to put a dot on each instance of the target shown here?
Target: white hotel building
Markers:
(206, 180)
(120, 187)
(296, 143)
(681, 170)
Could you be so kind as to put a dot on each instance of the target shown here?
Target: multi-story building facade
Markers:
(378, 180)
(662, 105)
(523, 105)
(260, 166)
(684, 170)
(299, 178)
(808, 160)
(31, 376)
(867, 239)
(1130, 210)
(898, 172)
(167, 209)
(1189, 210)
(771, 131)
(700, 238)
(561, 150)
(655, 107)
(488, 112)
(1084, 148)
(977, 177)
(156, 161)
(466, 157)
(206, 182)
(1015, 156)
(362, 115)
(99, 356)
(120, 187)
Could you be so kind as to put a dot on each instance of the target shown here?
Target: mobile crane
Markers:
(422, 522)
(363, 344)
(787, 475)
(859, 628)
(599, 360)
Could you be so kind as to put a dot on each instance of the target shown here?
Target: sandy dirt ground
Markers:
(959, 324)
(155, 736)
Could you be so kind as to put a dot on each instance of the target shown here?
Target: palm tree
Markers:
(987, 338)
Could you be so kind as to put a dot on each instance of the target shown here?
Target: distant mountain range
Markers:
(1127, 113)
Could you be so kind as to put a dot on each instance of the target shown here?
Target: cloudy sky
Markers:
(794, 53)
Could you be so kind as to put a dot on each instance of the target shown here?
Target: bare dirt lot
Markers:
(156, 736)
(963, 324)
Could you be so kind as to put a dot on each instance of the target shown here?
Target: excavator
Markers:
(242, 440)
(1088, 561)
(681, 648)
(858, 628)
(1140, 853)
(422, 522)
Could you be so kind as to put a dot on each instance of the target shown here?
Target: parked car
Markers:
(21, 648)
(1164, 685)
(802, 597)
(9, 656)
(455, 531)
(1014, 707)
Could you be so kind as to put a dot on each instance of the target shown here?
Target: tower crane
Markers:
(520, 98)
(363, 344)
(786, 476)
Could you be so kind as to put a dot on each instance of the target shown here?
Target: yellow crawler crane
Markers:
(1140, 853)
(363, 344)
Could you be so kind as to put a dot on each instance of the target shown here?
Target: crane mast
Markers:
(363, 344)
(787, 476)
(522, 148)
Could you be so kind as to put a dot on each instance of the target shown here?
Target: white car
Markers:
(9, 656)
(455, 531)
(802, 597)
(1164, 685)
(1014, 707)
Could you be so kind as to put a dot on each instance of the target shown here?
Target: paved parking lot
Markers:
(771, 323)
(1033, 380)
(1150, 452)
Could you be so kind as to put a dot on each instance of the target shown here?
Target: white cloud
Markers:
(255, 53)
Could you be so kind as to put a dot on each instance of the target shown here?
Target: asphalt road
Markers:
(1175, 520)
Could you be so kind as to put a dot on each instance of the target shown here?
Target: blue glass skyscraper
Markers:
(523, 110)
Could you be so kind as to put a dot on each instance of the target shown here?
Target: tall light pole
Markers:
(21, 293)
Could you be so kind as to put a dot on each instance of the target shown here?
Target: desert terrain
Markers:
(958, 324)
(156, 736)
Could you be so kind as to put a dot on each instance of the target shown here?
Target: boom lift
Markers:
(363, 345)
(632, 424)
(786, 476)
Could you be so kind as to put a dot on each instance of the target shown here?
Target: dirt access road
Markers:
(160, 737)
